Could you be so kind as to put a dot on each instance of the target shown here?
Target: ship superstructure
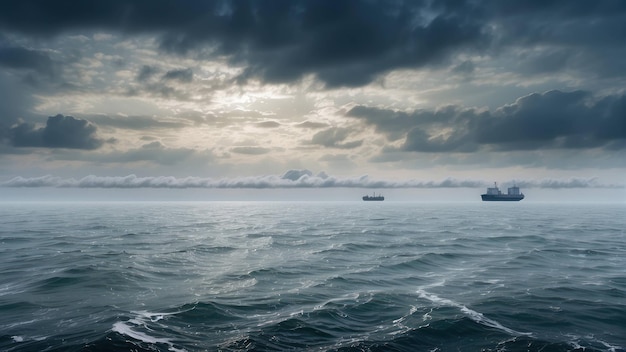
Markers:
(494, 194)
(373, 198)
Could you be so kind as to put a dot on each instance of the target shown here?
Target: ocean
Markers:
(312, 276)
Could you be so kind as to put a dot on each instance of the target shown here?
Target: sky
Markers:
(329, 95)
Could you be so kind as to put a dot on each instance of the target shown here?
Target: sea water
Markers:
(314, 276)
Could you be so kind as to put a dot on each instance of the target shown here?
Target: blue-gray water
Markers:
(317, 276)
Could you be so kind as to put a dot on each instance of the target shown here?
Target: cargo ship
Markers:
(374, 198)
(495, 195)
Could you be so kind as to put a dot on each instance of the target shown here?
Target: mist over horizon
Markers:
(290, 179)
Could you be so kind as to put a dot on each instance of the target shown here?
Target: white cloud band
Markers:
(290, 179)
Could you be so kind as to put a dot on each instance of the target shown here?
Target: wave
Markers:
(128, 329)
(472, 314)
(361, 321)
(284, 281)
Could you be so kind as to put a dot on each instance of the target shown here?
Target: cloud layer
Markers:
(290, 179)
(244, 87)
(555, 119)
(342, 43)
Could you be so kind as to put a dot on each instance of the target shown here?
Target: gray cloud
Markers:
(344, 42)
(290, 179)
(334, 138)
(464, 68)
(60, 132)
(348, 43)
(268, 124)
(146, 73)
(596, 24)
(27, 59)
(417, 139)
(555, 119)
(339, 42)
(182, 75)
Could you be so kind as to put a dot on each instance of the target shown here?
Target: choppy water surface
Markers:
(340, 276)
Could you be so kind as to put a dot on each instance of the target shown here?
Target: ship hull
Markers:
(501, 198)
(373, 199)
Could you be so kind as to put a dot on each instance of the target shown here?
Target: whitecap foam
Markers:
(612, 348)
(127, 328)
(472, 314)
(574, 341)
(399, 323)
(349, 298)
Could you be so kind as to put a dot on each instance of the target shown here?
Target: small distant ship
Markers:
(373, 198)
(495, 195)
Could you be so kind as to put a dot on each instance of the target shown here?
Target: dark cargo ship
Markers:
(495, 195)
(374, 198)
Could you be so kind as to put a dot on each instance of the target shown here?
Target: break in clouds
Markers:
(290, 179)
(551, 120)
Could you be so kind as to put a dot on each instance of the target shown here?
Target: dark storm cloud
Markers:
(554, 119)
(561, 35)
(350, 43)
(26, 59)
(342, 42)
(593, 23)
(60, 132)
